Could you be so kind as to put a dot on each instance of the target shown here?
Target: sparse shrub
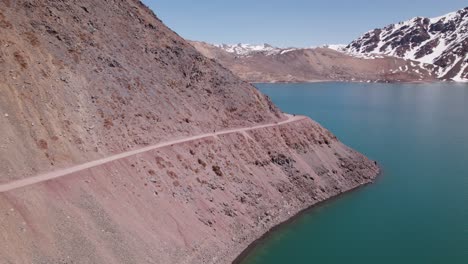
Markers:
(172, 174)
(108, 123)
(201, 162)
(20, 59)
(160, 161)
(172, 84)
(232, 109)
(32, 38)
(217, 170)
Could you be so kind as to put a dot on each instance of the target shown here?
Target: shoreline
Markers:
(349, 81)
(252, 246)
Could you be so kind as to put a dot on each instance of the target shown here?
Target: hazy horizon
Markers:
(299, 24)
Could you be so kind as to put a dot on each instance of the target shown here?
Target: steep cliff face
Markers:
(82, 80)
(440, 41)
(269, 64)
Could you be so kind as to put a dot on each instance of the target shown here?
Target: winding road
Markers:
(64, 172)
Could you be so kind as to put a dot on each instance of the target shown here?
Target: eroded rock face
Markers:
(81, 80)
(441, 41)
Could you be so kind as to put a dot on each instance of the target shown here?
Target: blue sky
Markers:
(297, 23)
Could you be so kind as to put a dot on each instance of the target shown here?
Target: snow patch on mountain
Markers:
(440, 41)
(337, 47)
(251, 49)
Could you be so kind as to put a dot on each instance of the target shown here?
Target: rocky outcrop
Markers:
(313, 64)
(441, 42)
(83, 80)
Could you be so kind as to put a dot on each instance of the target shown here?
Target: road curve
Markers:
(64, 172)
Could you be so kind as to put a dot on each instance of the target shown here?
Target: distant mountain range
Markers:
(312, 64)
(248, 49)
(420, 49)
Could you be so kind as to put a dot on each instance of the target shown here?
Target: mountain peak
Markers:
(242, 49)
(441, 41)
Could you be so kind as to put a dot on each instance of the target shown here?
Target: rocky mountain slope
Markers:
(77, 85)
(270, 64)
(82, 80)
(440, 41)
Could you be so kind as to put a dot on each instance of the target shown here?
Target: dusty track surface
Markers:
(64, 172)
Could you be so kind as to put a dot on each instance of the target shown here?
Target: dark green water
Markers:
(417, 212)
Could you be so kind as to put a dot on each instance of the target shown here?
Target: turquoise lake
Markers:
(417, 211)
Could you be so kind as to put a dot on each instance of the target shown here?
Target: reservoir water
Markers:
(417, 211)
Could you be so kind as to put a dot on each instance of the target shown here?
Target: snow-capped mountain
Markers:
(441, 41)
(249, 49)
(337, 47)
